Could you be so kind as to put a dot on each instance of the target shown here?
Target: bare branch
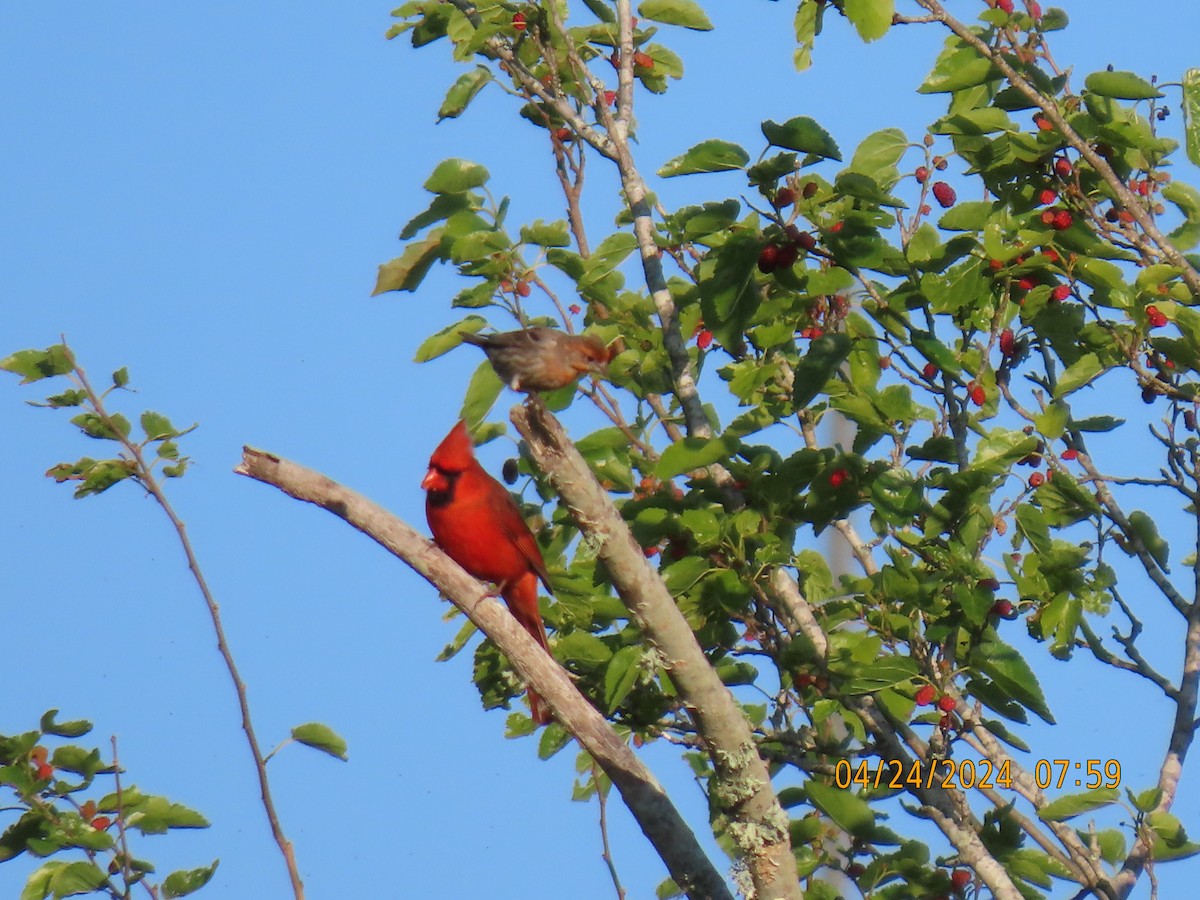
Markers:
(645, 797)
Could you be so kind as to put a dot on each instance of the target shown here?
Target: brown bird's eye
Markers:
(510, 471)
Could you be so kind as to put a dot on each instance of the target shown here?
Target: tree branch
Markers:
(743, 789)
(660, 821)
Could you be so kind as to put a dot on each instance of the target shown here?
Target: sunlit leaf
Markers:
(803, 135)
(1121, 85)
(320, 737)
(707, 156)
(685, 13)
(187, 881)
(871, 18)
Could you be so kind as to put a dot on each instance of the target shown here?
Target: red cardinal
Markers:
(475, 520)
(540, 359)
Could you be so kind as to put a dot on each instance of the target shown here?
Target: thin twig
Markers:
(146, 478)
(122, 838)
(602, 796)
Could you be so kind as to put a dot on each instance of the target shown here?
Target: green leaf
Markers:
(1011, 674)
(453, 176)
(72, 758)
(896, 496)
(73, 729)
(767, 172)
(1121, 86)
(463, 91)
(611, 252)
(1144, 527)
(1099, 273)
(999, 730)
(320, 737)
(553, 739)
(871, 18)
(694, 453)
(935, 351)
(34, 365)
(707, 156)
(1191, 114)
(547, 234)
(157, 426)
(621, 675)
(1170, 839)
(845, 807)
(175, 471)
(440, 208)
(601, 10)
(1083, 371)
(923, 244)
(187, 881)
(1146, 801)
(1111, 842)
(582, 647)
(64, 880)
(864, 187)
(729, 290)
(684, 13)
(1076, 804)
(406, 271)
(1098, 423)
(120, 378)
(1054, 19)
(884, 672)
(1052, 421)
(482, 391)
(957, 68)
(803, 135)
(814, 370)
(806, 24)
(1167, 827)
(448, 338)
(879, 153)
(969, 215)
(460, 640)
(156, 815)
(112, 428)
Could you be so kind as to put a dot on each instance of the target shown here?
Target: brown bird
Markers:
(541, 359)
(475, 520)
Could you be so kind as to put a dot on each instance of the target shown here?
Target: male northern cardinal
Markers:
(475, 520)
(540, 359)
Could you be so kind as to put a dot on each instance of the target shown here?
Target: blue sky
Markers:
(204, 196)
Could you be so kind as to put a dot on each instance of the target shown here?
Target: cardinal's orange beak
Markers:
(434, 481)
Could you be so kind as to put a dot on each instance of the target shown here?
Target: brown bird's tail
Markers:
(522, 599)
(470, 337)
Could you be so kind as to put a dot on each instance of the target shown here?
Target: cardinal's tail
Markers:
(522, 599)
(537, 709)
